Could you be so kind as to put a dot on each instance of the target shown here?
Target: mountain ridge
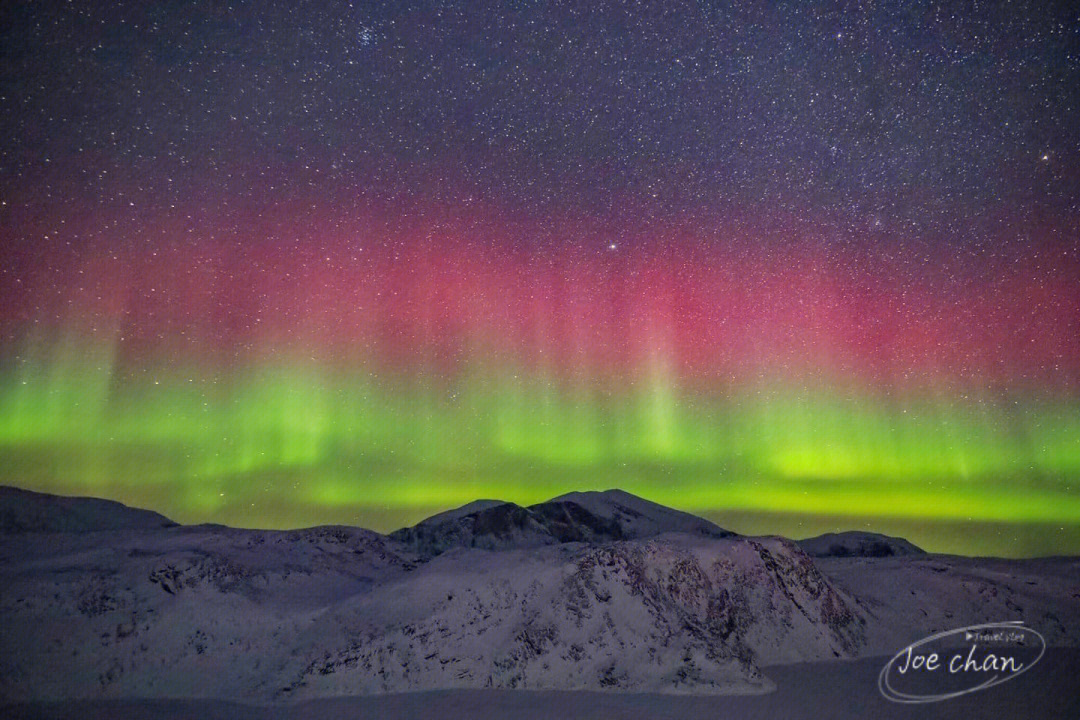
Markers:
(23, 511)
(594, 516)
(857, 543)
(577, 516)
(564, 599)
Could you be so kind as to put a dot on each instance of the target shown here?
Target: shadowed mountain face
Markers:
(592, 517)
(495, 527)
(23, 511)
(858, 544)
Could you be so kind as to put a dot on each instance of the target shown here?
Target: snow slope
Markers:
(672, 614)
(906, 598)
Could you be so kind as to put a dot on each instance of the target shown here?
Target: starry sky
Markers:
(792, 266)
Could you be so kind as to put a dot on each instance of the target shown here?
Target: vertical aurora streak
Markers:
(226, 385)
(793, 266)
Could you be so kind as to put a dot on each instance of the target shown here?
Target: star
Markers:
(408, 253)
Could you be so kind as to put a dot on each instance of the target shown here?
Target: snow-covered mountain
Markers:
(576, 517)
(675, 613)
(497, 526)
(599, 591)
(26, 511)
(857, 544)
(640, 518)
(908, 597)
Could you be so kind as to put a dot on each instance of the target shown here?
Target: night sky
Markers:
(795, 267)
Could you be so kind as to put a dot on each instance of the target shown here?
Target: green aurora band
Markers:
(762, 395)
(281, 446)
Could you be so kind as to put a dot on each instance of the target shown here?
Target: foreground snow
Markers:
(805, 691)
(592, 591)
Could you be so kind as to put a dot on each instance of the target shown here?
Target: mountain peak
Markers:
(459, 512)
(855, 543)
(638, 517)
(611, 495)
(589, 516)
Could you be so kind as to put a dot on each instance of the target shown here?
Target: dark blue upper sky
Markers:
(878, 115)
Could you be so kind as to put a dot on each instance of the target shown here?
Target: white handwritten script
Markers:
(961, 661)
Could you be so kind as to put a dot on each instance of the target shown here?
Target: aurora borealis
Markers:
(233, 292)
